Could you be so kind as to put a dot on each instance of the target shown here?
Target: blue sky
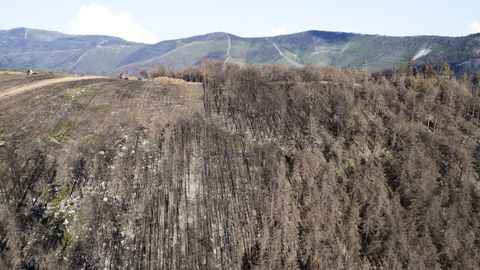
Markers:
(152, 21)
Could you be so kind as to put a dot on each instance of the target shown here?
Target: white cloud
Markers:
(277, 31)
(475, 26)
(95, 19)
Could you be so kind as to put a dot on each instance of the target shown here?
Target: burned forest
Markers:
(244, 168)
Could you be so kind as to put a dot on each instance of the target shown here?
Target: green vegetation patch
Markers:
(62, 194)
(104, 108)
(59, 216)
(69, 215)
(72, 93)
(84, 141)
(59, 134)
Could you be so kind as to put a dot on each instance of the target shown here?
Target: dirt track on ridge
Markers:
(32, 86)
(11, 72)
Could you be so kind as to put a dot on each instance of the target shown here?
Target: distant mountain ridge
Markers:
(25, 48)
(38, 49)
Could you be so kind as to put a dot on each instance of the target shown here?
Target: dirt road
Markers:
(11, 72)
(32, 86)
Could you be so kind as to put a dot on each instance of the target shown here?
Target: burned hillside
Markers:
(255, 168)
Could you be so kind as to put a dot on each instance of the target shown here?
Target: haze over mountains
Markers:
(24, 48)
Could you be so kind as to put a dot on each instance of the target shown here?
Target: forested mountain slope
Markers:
(25, 48)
